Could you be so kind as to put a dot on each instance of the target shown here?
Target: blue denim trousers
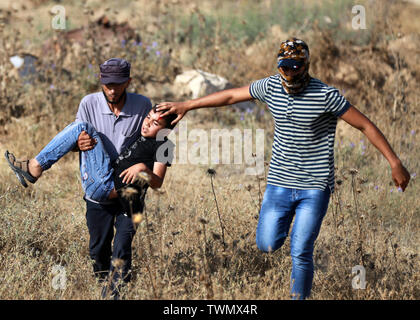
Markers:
(95, 165)
(278, 208)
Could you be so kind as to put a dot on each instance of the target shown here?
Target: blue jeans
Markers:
(95, 165)
(278, 208)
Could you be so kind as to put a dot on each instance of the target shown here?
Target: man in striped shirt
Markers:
(301, 173)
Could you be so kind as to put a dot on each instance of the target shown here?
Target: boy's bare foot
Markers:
(34, 168)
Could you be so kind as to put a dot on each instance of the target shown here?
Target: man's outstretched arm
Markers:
(355, 118)
(217, 99)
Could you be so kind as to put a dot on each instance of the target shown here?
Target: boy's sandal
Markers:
(20, 168)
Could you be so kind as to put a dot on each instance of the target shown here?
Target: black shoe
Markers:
(115, 295)
(112, 293)
(101, 276)
(104, 292)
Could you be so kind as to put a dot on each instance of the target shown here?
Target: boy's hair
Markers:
(168, 119)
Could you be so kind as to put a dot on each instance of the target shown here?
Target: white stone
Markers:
(17, 61)
(198, 83)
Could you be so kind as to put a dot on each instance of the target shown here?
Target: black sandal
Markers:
(20, 168)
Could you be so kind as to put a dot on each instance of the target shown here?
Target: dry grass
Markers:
(178, 250)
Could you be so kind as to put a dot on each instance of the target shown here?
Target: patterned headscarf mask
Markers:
(298, 51)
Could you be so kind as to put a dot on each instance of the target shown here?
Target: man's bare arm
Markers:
(355, 118)
(217, 99)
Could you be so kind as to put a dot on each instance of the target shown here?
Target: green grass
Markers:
(253, 20)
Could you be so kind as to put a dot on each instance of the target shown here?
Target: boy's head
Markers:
(153, 123)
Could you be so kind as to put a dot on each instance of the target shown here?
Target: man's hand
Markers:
(85, 142)
(179, 108)
(130, 175)
(400, 176)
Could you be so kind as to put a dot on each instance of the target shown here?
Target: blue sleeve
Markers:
(335, 103)
(259, 89)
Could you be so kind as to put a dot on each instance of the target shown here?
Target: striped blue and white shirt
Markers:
(305, 123)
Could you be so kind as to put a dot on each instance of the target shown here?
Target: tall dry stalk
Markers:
(259, 179)
(142, 179)
(359, 218)
(211, 173)
(205, 274)
(118, 265)
(152, 275)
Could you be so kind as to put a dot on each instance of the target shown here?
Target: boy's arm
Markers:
(355, 118)
(217, 99)
(156, 176)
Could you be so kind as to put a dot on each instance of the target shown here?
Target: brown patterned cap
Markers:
(293, 53)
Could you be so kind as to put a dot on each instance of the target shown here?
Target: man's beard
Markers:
(116, 101)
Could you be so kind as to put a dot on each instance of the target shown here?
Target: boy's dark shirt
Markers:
(143, 150)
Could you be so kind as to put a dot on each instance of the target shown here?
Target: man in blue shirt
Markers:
(301, 173)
